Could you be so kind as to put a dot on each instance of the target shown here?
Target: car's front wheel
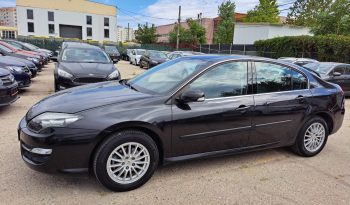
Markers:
(312, 137)
(126, 160)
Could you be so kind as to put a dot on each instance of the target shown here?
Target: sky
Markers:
(160, 12)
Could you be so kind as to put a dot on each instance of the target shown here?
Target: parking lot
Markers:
(273, 176)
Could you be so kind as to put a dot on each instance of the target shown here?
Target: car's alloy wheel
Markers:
(125, 160)
(312, 137)
(128, 162)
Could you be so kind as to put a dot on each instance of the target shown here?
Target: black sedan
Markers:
(183, 109)
(338, 73)
(80, 64)
(18, 69)
(8, 88)
(152, 58)
(33, 69)
(113, 53)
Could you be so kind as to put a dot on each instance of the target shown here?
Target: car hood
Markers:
(27, 62)
(160, 60)
(4, 72)
(88, 69)
(85, 97)
(10, 62)
(44, 50)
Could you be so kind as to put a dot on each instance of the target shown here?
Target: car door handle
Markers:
(300, 97)
(242, 107)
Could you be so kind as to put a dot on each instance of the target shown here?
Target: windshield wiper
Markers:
(125, 82)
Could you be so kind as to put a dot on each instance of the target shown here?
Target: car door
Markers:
(223, 120)
(281, 101)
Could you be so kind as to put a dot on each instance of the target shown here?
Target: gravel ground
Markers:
(265, 177)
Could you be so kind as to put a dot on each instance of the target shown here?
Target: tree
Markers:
(335, 20)
(304, 12)
(266, 11)
(145, 34)
(195, 34)
(225, 29)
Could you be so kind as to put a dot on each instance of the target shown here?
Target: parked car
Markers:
(191, 107)
(135, 56)
(298, 61)
(33, 69)
(178, 54)
(19, 70)
(28, 47)
(8, 50)
(80, 64)
(152, 58)
(113, 53)
(8, 88)
(338, 73)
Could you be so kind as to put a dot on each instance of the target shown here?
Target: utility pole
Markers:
(178, 29)
(128, 32)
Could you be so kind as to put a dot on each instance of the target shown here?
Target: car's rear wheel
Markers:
(312, 137)
(141, 66)
(126, 160)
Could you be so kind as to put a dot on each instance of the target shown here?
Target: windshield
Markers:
(83, 55)
(30, 46)
(140, 52)
(166, 76)
(4, 48)
(111, 49)
(157, 54)
(320, 68)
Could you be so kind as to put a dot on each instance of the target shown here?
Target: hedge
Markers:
(330, 48)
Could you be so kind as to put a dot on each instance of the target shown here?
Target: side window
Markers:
(339, 69)
(347, 70)
(272, 78)
(299, 81)
(226, 80)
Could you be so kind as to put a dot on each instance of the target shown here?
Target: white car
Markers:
(135, 56)
(298, 61)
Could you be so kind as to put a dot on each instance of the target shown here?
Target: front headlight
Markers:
(154, 62)
(35, 60)
(113, 75)
(14, 68)
(50, 120)
(64, 74)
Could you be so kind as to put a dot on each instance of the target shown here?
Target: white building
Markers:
(8, 17)
(79, 19)
(248, 33)
(125, 34)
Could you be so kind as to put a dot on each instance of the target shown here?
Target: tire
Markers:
(130, 61)
(136, 62)
(141, 66)
(57, 87)
(302, 146)
(105, 155)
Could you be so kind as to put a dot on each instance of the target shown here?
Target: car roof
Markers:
(332, 63)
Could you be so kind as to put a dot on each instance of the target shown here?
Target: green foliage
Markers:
(225, 29)
(146, 34)
(267, 11)
(304, 12)
(195, 34)
(324, 48)
(336, 20)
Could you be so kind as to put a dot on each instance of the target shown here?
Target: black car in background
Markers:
(338, 73)
(33, 69)
(178, 54)
(8, 88)
(4, 51)
(80, 64)
(18, 69)
(152, 58)
(113, 53)
(187, 108)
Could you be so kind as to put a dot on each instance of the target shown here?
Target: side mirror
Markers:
(335, 74)
(192, 96)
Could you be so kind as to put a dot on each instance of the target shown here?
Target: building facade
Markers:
(125, 34)
(78, 19)
(8, 17)
(248, 33)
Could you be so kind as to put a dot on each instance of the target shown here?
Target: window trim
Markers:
(48, 16)
(32, 14)
(87, 35)
(87, 19)
(54, 29)
(104, 21)
(28, 27)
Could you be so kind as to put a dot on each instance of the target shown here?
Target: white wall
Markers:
(246, 33)
(67, 18)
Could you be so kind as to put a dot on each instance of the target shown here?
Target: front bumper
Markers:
(62, 150)
(65, 83)
(8, 95)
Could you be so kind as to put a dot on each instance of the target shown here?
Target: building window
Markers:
(88, 31)
(30, 27)
(30, 14)
(8, 34)
(51, 28)
(106, 23)
(51, 16)
(106, 33)
(88, 20)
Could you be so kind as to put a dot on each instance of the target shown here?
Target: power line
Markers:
(285, 4)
